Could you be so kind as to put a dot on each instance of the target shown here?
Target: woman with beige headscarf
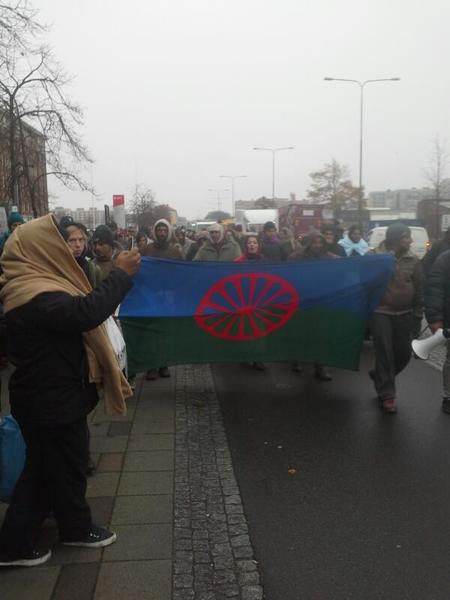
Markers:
(62, 355)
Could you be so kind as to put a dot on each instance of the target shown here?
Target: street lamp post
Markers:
(219, 199)
(361, 85)
(232, 178)
(274, 151)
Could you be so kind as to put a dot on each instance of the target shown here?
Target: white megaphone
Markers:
(422, 348)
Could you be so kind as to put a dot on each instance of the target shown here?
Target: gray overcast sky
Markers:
(178, 92)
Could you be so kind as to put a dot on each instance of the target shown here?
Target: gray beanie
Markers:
(396, 231)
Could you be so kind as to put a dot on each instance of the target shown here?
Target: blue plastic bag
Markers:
(12, 456)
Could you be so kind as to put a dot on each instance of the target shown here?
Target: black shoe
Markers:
(323, 374)
(446, 405)
(151, 374)
(164, 372)
(372, 374)
(98, 537)
(259, 366)
(36, 557)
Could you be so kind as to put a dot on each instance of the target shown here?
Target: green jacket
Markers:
(94, 274)
(404, 292)
(225, 251)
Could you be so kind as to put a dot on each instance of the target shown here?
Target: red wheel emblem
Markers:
(247, 306)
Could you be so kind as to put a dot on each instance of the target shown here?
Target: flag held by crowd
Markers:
(313, 311)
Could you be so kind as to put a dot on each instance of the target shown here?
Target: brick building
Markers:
(32, 193)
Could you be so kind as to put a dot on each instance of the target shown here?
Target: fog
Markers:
(177, 93)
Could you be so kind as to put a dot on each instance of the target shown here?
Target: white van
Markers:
(420, 241)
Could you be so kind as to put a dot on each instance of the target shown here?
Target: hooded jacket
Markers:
(56, 339)
(165, 249)
(437, 302)
(404, 293)
(224, 251)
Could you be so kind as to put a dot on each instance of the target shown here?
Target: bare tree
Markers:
(34, 101)
(438, 161)
(143, 205)
(18, 21)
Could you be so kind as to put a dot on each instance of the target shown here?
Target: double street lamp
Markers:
(361, 85)
(274, 151)
(219, 198)
(232, 178)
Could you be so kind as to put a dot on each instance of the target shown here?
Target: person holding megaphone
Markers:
(437, 313)
(398, 315)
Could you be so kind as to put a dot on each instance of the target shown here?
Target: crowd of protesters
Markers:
(59, 284)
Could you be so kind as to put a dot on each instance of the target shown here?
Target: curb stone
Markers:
(214, 558)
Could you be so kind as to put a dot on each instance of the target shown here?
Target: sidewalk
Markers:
(179, 520)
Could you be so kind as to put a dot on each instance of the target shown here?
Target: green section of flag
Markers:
(328, 337)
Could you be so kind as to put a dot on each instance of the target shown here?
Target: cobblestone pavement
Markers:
(182, 537)
(214, 558)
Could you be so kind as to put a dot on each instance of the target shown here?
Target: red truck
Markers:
(303, 217)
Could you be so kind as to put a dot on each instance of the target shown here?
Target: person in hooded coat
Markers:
(398, 315)
(216, 247)
(437, 312)
(436, 250)
(183, 241)
(162, 246)
(314, 247)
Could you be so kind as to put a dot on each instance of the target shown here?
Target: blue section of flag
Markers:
(166, 288)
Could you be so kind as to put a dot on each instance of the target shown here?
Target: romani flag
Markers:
(312, 311)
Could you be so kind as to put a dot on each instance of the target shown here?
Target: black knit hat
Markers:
(269, 225)
(103, 235)
(396, 231)
(66, 220)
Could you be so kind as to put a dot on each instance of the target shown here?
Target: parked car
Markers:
(420, 245)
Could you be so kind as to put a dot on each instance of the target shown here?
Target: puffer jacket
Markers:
(437, 297)
(404, 293)
(225, 251)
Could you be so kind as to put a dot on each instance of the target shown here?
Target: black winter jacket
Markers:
(50, 385)
(272, 250)
(437, 297)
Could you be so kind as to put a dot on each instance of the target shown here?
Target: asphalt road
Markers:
(343, 502)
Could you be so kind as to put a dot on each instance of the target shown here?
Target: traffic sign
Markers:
(118, 200)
